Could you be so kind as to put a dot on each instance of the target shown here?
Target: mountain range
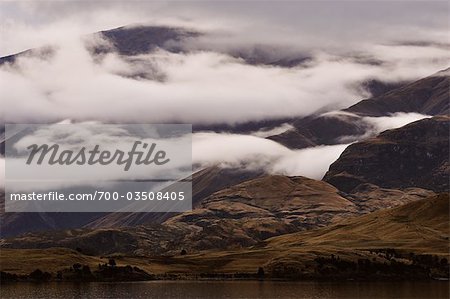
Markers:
(407, 242)
(384, 200)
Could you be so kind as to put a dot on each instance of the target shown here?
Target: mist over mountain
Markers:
(320, 138)
(358, 122)
(161, 66)
(428, 96)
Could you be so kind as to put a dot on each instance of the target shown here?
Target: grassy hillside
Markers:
(409, 240)
(421, 226)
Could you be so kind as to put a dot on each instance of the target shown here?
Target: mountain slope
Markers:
(239, 216)
(252, 211)
(234, 217)
(415, 155)
(421, 226)
(127, 40)
(325, 129)
(427, 96)
(409, 241)
(135, 40)
(394, 242)
(204, 183)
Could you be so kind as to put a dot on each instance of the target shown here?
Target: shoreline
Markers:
(226, 278)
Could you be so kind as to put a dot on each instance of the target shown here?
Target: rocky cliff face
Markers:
(415, 155)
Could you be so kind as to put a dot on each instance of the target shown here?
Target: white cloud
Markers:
(396, 120)
(208, 86)
(311, 162)
(200, 88)
(251, 152)
(375, 125)
(264, 133)
(111, 138)
(297, 24)
(240, 151)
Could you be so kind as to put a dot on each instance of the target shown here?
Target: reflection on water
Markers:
(229, 289)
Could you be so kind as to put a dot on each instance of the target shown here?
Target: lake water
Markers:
(229, 289)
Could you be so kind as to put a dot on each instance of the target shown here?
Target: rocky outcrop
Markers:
(415, 155)
(252, 211)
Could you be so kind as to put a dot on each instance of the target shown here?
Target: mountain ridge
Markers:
(428, 96)
(415, 155)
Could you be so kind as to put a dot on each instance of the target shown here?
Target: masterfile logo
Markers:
(53, 156)
(89, 167)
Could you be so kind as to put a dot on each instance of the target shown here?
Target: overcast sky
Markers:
(310, 24)
(409, 40)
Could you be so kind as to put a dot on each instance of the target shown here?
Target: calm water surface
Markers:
(229, 289)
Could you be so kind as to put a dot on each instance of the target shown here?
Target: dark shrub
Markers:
(112, 262)
(38, 275)
(76, 266)
(260, 272)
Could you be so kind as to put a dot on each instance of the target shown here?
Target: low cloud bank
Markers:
(200, 87)
(255, 153)
(244, 151)
(396, 120)
(375, 125)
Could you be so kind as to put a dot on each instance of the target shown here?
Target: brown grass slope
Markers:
(421, 226)
(239, 216)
